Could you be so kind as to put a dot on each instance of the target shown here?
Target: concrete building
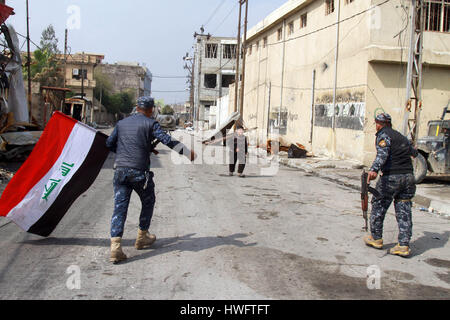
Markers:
(129, 76)
(291, 72)
(214, 71)
(79, 73)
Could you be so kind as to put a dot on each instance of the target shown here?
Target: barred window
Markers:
(329, 6)
(437, 15)
(211, 50)
(229, 51)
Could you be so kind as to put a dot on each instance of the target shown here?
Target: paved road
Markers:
(291, 236)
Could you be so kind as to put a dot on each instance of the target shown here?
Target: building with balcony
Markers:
(79, 73)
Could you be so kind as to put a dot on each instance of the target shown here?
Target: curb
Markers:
(439, 208)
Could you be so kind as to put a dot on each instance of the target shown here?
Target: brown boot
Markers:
(117, 254)
(399, 250)
(144, 239)
(371, 242)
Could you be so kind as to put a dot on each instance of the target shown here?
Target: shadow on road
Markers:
(429, 240)
(161, 246)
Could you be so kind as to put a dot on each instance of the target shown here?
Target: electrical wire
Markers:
(328, 26)
(214, 12)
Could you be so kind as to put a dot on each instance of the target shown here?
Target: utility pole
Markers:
(199, 52)
(30, 100)
(336, 60)
(65, 57)
(414, 75)
(82, 75)
(238, 56)
(244, 46)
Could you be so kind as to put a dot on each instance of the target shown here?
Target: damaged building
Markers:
(294, 74)
(214, 72)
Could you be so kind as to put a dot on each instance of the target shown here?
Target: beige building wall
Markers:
(370, 76)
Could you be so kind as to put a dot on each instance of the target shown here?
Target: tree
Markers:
(49, 42)
(121, 102)
(168, 110)
(45, 67)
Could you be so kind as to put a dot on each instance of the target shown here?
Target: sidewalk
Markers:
(432, 195)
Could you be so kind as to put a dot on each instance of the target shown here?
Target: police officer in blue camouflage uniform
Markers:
(396, 183)
(132, 141)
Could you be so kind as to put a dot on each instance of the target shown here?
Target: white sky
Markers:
(157, 33)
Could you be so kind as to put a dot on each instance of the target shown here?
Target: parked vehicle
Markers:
(434, 150)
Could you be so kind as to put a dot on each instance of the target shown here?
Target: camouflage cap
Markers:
(146, 102)
(384, 118)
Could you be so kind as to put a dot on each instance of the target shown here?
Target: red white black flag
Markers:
(63, 165)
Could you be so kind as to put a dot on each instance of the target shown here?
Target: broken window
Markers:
(303, 20)
(437, 15)
(228, 79)
(229, 51)
(329, 6)
(211, 50)
(78, 73)
(210, 81)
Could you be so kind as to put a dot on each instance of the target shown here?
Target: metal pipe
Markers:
(336, 59)
(238, 56)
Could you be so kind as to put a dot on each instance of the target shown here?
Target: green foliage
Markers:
(168, 110)
(45, 67)
(49, 42)
(122, 102)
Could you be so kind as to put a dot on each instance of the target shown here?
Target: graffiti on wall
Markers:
(349, 115)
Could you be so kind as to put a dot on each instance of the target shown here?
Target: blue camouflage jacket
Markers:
(132, 140)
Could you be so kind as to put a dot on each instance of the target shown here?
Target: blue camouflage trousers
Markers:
(401, 188)
(125, 181)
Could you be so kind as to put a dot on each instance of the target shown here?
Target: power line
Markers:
(214, 12)
(329, 26)
(226, 17)
(169, 77)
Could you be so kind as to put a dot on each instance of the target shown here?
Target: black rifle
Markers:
(365, 189)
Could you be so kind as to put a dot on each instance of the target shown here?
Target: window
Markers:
(280, 34)
(249, 48)
(257, 46)
(437, 15)
(227, 79)
(211, 51)
(303, 20)
(265, 42)
(210, 81)
(348, 1)
(78, 73)
(291, 28)
(229, 51)
(329, 6)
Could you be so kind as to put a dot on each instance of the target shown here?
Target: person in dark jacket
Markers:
(132, 141)
(238, 145)
(396, 183)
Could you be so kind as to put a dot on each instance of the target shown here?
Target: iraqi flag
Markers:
(63, 165)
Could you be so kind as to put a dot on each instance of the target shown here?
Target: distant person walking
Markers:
(238, 145)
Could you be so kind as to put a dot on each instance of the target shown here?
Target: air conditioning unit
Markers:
(76, 72)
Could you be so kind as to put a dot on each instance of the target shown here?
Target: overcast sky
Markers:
(157, 33)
